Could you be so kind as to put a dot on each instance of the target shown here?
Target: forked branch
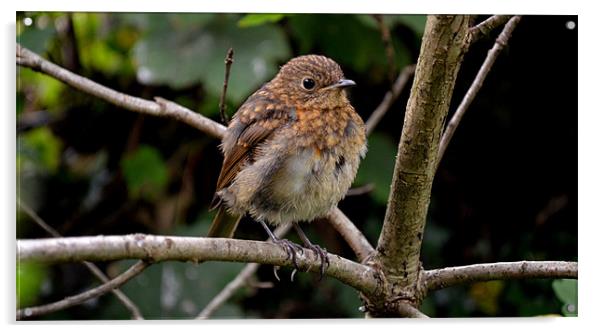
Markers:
(441, 53)
(500, 43)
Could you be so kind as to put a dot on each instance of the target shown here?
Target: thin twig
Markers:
(240, 280)
(87, 295)
(222, 100)
(450, 276)
(367, 188)
(126, 301)
(389, 50)
(476, 85)
(390, 98)
(484, 28)
(27, 58)
(352, 235)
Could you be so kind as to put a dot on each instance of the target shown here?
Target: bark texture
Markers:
(153, 248)
(398, 250)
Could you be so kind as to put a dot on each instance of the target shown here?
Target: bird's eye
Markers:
(308, 83)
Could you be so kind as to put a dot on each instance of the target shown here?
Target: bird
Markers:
(291, 152)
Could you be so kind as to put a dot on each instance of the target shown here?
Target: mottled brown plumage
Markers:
(292, 149)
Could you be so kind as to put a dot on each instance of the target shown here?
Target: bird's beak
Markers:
(341, 84)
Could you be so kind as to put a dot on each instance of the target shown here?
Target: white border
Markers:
(590, 150)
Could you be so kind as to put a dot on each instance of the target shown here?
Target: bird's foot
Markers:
(291, 250)
(320, 252)
(288, 246)
(323, 255)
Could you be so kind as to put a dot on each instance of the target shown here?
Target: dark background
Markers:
(506, 189)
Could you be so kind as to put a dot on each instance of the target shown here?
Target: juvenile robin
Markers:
(291, 152)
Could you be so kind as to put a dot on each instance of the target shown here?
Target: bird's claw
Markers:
(291, 250)
(323, 255)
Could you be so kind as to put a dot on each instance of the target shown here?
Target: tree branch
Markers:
(442, 51)
(408, 311)
(451, 276)
(27, 58)
(352, 235)
(222, 100)
(229, 290)
(80, 298)
(476, 85)
(160, 248)
(389, 50)
(390, 98)
(484, 28)
(161, 107)
(238, 281)
(136, 314)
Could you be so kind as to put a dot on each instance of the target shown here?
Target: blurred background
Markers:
(506, 189)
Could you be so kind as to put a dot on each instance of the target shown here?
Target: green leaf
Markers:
(566, 291)
(34, 37)
(102, 57)
(40, 149)
(145, 172)
(30, 277)
(377, 167)
(251, 20)
(185, 57)
(46, 89)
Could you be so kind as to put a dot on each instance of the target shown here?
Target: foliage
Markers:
(88, 168)
(145, 172)
(251, 20)
(30, 276)
(378, 166)
(194, 48)
(566, 291)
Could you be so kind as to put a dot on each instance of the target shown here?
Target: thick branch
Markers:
(476, 85)
(446, 277)
(29, 59)
(80, 298)
(161, 248)
(442, 51)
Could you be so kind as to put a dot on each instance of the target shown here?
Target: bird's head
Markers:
(312, 81)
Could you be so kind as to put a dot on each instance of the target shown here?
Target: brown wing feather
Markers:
(254, 123)
(251, 136)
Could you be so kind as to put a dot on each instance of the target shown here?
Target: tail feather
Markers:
(224, 224)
